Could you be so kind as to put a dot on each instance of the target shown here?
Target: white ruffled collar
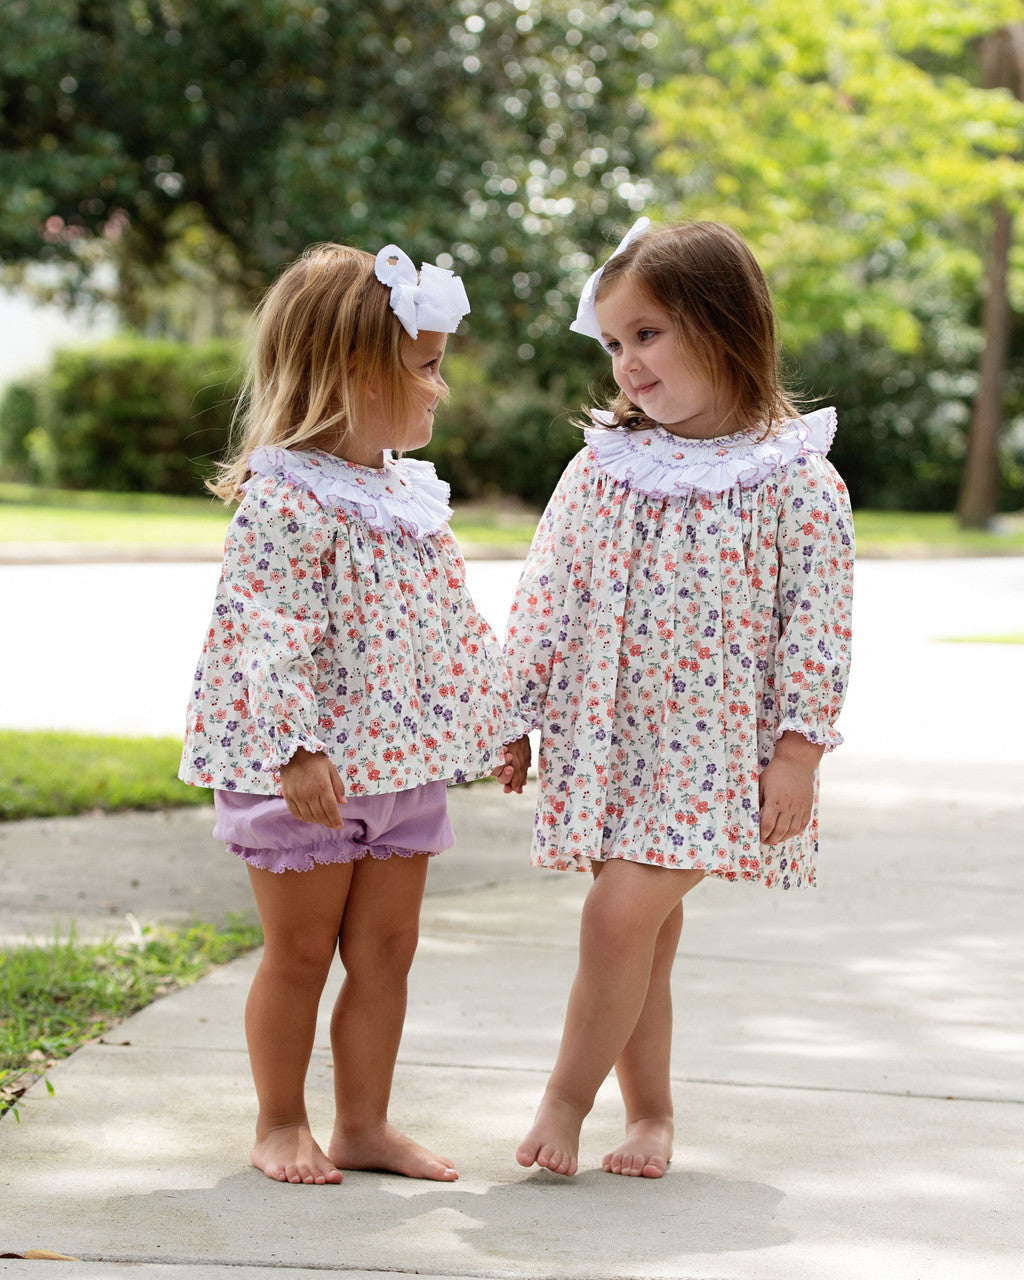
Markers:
(405, 493)
(661, 465)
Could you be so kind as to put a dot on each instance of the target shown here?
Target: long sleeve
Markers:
(538, 638)
(275, 565)
(336, 628)
(254, 698)
(815, 593)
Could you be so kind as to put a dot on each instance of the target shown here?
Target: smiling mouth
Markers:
(642, 390)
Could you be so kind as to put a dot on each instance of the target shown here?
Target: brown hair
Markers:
(705, 276)
(324, 331)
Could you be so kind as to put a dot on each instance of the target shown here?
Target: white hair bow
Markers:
(586, 313)
(433, 299)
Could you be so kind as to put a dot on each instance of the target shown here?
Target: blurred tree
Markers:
(1002, 61)
(851, 142)
(845, 139)
(229, 134)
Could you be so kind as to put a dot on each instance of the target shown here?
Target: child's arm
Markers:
(312, 788)
(539, 634)
(812, 659)
(274, 571)
(786, 788)
(815, 592)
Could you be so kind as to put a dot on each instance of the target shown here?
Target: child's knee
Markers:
(302, 960)
(389, 952)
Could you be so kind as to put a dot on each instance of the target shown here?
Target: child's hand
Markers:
(312, 788)
(517, 761)
(786, 788)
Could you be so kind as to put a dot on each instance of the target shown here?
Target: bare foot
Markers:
(554, 1140)
(289, 1154)
(645, 1152)
(387, 1149)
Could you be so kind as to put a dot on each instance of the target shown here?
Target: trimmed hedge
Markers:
(151, 416)
(19, 418)
(147, 416)
(132, 415)
(491, 440)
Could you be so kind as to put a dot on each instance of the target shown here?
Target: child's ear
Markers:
(363, 389)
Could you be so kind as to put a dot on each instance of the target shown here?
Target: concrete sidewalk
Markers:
(848, 1065)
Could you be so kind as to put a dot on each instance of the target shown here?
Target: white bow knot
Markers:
(586, 313)
(433, 298)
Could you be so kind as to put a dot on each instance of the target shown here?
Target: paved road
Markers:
(848, 1064)
(110, 648)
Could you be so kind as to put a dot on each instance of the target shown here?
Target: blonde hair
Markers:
(705, 276)
(324, 332)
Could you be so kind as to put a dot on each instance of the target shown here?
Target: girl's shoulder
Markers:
(660, 464)
(405, 493)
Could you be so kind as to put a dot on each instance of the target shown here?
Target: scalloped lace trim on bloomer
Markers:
(660, 464)
(278, 861)
(405, 493)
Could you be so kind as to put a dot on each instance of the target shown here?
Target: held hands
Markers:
(312, 788)
(786, 788)
(517, 761)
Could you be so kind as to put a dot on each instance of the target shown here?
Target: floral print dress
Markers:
(684, 603)
(342, 623)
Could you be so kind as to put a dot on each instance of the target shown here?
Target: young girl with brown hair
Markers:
(682, 632)
(346, 679)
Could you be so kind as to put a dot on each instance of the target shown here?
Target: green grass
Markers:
(55, 997)
(910, 533)
(29, 514)
(49, 774)
(1012, 637)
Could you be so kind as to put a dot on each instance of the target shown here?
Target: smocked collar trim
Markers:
(660, 464)
(403, 494)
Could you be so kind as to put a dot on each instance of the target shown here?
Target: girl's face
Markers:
(650, 368)
(422, 356)
(378, 430)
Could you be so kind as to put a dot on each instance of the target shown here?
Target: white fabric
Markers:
(661, 464)
(434, 299)
(586, 314)
(405, 493)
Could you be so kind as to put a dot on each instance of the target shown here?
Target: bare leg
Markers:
(643, 1070)
(301, 912)
(378, 942)
(622, 919)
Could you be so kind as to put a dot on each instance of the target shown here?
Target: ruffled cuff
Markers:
(282, 749)
(822, 735)
(659, 464)
(405, 493)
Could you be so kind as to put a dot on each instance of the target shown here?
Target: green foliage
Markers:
(54, 998)
(848, 143)
(48, 774)
(501, 438)
(19, 418)
(902, 420)
(235, 134)
(137, 415)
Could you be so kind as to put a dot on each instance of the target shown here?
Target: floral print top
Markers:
(342, 623)
(684, 603)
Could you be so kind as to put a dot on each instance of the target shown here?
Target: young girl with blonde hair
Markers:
(346, 679)
(682, 633)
